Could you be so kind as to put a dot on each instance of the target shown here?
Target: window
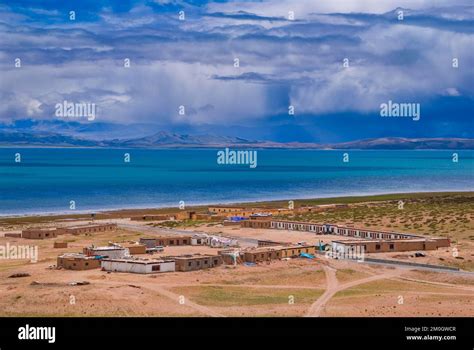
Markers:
(392, 246)
(198, 263)
(87, 264)
(206, 262)
(377, 246)
(155, 268)
(215, 262)
(189, 264)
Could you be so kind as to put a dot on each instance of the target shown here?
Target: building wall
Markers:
(135, 267)
(38, 234)
(389, 246)
(173, 240)
(60, 245)
(264, 255)
(221, 210)
(136, 249)
(200, 216)
(296, 251)
(256, 223)
(111, 253)
(90, 229)
(197, 263)
(277, 253)
(78, 263)
(13, 235)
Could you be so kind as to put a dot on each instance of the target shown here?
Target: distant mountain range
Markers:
(165, 139)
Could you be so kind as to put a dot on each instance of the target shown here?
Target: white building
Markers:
(221, 242)
(111, 252)
(138, 266)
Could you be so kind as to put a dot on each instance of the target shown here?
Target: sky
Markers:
(290, 53)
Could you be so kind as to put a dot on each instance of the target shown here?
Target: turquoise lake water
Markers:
(47, 179)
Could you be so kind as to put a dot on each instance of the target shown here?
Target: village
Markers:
(254, 259)
(151, 254)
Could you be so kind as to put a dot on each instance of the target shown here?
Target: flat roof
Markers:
(348, 228)
(76, 256)
(143, 262)
(277, 248)
(90, 225)
(362, 241)
(41, 229)
(197, 256)
(106, 248)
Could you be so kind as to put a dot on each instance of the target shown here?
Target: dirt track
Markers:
(333, 286)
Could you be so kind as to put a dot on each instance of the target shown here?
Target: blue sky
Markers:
(283, 62)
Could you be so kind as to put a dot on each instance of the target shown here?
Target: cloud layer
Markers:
(192, 62)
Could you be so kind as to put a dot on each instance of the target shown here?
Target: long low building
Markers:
(51, 232)
(276, 253)
(384, 241)
(384, 246)
(338, 230)
(138, 266)
(90, 228)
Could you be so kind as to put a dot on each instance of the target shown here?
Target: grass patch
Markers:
(245, 296)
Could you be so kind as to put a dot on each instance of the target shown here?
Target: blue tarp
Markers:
(305, 255)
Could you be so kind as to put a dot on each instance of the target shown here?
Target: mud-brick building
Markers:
(260, 223)
(275, 253)
(39, 233)
(262, 254)
(297, 250)
(135, 249)
(197, 262)
(164, 241)
(92, 228)
(75, 261)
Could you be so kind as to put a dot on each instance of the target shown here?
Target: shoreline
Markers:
(351, 198)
